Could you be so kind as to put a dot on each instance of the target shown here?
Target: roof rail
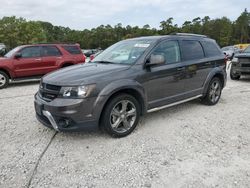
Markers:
(63, 43)
(189, 34)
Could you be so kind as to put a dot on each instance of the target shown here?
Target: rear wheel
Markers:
(4, 80)
(121, 115)
(67, 65)
(214, 92)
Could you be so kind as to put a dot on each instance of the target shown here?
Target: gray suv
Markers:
(129, 79)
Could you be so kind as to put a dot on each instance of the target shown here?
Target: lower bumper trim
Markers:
(52, 121)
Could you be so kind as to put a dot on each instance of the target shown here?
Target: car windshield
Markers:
(227, 48)
(247, 50)
(12, 52)
(124, 52)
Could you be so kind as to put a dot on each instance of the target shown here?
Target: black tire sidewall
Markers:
(7, 79)
(105, 119)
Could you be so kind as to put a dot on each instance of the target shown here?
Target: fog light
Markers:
(64, 123)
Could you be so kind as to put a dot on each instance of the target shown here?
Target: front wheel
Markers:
(214, 92)
(234, 75)
(4, 80)
(121, 115)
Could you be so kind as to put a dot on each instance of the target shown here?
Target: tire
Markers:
(234, 76)
(67, 65)
(4, 80)
(121, 115)
(213, 92)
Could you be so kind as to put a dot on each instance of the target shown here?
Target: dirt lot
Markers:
(190, 145)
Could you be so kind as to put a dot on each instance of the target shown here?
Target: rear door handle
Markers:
(208, 63)
(38, 59)
(181, 68)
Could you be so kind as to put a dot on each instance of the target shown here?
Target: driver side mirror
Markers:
(156, 60)
(18, 55)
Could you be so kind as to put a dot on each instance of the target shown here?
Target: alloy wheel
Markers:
(215, 91)
(2, 80)
(123, 116)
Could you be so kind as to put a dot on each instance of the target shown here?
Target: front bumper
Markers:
(240, 68)
(67, 114)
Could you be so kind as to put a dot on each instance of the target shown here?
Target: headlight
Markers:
(75, 92)
(235, 59)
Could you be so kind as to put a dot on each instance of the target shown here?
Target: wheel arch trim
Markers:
(118, 87)
(216, 71)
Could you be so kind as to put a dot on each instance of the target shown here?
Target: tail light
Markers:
(84, 58)
(92, 57)
(225, 59)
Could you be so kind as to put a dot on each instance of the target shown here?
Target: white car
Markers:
(230, 51)
(2, 49)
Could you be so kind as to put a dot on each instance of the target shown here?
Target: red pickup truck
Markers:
(31, 61)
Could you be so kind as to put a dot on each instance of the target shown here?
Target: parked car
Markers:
(230, 51)
(28, 61)
(242, 46)
(89, 52)
(240, 64)
(112, 92)
(2, 49)
(94, 55)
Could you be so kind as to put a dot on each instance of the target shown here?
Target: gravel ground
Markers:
(189, 145)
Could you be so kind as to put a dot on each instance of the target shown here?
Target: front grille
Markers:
(245, 60)
(245, 65)
(49, 92)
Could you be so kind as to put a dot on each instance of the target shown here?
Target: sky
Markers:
(87, 14)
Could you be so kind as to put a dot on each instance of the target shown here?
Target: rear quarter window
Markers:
(72, 49)
(211, 48)
(191, 50)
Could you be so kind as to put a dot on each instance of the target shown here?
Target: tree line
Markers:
(17, 31)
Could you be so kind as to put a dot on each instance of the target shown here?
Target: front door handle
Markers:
(180, 68)
(39, 59)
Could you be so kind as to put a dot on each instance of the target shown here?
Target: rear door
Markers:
(197, 67)
(30, 63)
(51, 56)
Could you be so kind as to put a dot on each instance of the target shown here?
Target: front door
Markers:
(164, 83)
(29, 63)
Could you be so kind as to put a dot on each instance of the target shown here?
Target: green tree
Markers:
(242, 27)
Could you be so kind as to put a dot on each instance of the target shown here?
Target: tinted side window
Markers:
(30, 52)
(72, 49)
(170, 50)
(50, 51)
(210, 48)
(191, 50)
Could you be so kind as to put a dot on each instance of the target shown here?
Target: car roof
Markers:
(48, 44)
(173, 35)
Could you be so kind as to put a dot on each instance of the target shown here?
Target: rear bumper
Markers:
(67, 114)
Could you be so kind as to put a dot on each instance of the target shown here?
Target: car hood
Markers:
(229, 51)
(83, 74)
(2, 59)
(243, 55)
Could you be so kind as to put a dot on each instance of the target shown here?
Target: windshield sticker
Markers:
(142, 45)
